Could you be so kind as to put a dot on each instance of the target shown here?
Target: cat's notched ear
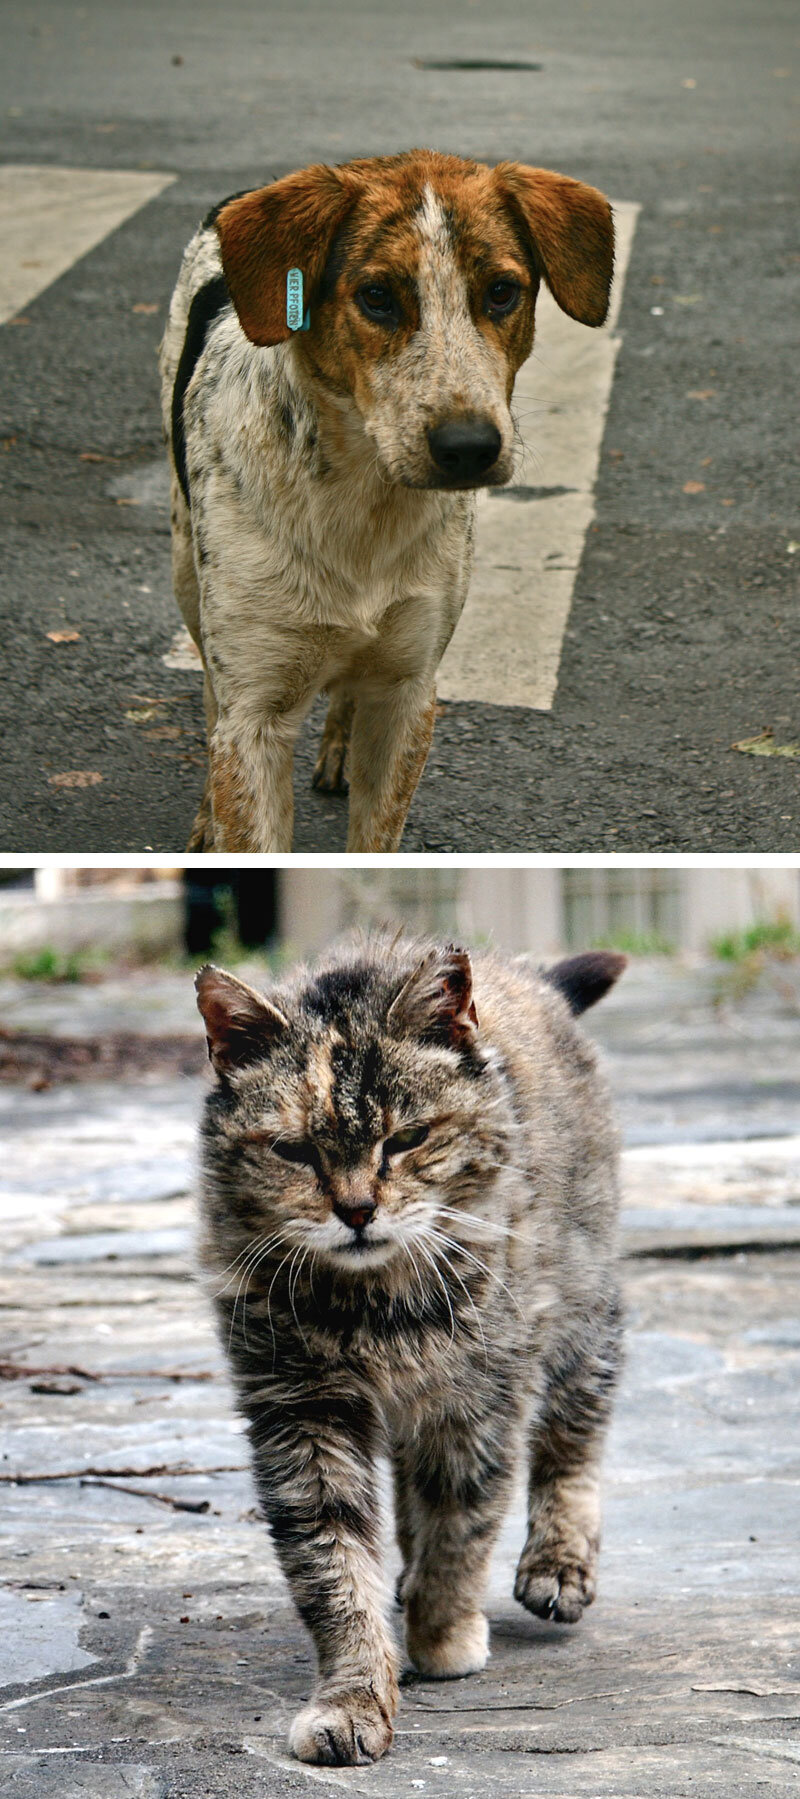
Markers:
(289, 225)
(436, 1001)
(240, 1023)
(584, 979)
(571, 231)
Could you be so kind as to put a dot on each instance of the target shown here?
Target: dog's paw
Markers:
(558, 1592)
(342, 1729)
(463, 1648)
(329, 770)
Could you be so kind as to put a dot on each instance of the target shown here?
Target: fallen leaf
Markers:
(63, 636)
(76, 777)
(168, 732)
(706, 461)
(20, 319)
(764, 745)
(728, 502)
(689, 82)
(141, 715)
(694, 486)
(792, 548)
(687, 299)
(143, 306)
(701, 393)
(126, 502)
(94, 456)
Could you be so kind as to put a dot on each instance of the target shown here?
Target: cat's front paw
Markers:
(560, 1593)
(342, 1729)
(462, 1648)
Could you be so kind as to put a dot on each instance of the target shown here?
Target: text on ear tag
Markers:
(296, 318)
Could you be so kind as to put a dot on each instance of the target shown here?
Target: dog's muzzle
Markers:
(465, 449)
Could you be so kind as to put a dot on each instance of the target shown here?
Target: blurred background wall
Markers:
(148, 911)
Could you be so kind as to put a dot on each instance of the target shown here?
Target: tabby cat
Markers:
(409, 1206)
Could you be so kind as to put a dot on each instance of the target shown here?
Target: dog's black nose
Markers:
(465, 448)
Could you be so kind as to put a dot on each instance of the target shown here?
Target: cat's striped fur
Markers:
(409, 1208)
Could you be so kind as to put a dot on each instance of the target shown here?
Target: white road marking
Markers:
(49, 217)
(183, 653)
(507, 647)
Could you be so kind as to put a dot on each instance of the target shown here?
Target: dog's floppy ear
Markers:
(289, 225)
(571, 231)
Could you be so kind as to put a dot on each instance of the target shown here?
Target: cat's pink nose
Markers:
(356, 1216)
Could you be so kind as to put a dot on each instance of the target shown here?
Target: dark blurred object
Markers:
(245, 899)
(16, 877)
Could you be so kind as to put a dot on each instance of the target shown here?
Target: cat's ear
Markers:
(584, 979)
(436, 1000)
(240, 1023)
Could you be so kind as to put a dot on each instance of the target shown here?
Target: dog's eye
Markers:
(410, 1138)
(303, 1151)
(376, 302)
(502, 297)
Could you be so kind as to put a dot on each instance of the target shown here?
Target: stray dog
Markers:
(323, 470)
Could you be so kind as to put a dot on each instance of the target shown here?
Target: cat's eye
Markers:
(410, 1138)
(302, 1151)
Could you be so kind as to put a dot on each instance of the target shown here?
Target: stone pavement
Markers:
(149, 1647)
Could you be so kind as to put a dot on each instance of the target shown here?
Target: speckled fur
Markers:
(471, 1319)
(321, 547)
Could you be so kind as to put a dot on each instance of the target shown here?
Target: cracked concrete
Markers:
(152, 1651)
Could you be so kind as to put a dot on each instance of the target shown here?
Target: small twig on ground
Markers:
(178, 1505)
(163, 1468)
(19, 1371)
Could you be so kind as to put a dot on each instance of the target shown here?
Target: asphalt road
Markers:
(682, 637)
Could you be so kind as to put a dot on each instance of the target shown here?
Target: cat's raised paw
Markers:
(463, 1648)
(342, 1729)
(559, 1594)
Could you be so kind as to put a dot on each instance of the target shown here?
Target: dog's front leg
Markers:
(250, 778)
(392, 731)
(264, 681)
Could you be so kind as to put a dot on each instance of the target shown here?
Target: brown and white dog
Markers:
(323, 480)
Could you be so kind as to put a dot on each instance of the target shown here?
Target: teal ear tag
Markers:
(296, 318)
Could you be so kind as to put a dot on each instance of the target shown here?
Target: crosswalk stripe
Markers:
(49, 217)
(507, 647)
